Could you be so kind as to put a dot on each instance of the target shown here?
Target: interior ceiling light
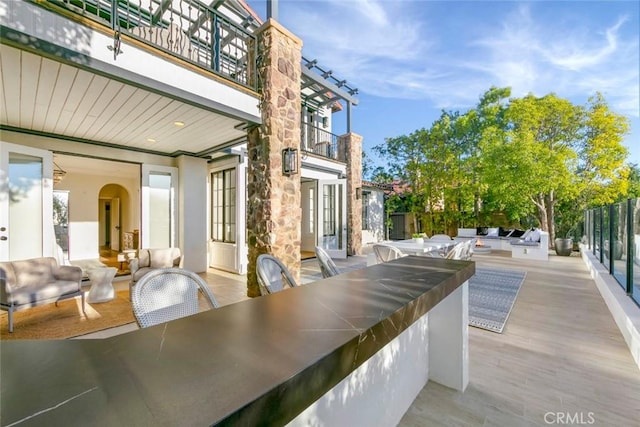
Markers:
(151, 140)
(178, 124)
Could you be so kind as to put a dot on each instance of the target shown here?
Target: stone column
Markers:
(350, 145)
(274, 209)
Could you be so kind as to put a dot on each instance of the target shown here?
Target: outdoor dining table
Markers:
(411, 247)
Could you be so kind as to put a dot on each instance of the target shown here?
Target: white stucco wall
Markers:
(84, 192)
(192, 212)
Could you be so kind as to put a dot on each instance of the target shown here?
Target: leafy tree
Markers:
(519, 156)
(602, 169)
(634, 181)
(536, 161)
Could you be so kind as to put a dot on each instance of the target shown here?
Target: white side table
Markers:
(101, 286)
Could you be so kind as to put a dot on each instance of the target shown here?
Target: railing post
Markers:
(215, 37)
(114, 14)
(601, 242)
(630, 247)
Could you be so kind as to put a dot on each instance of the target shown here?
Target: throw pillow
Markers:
(482, 231)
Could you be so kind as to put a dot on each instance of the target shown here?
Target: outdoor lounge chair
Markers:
(327, 266)
(273, 275)
(167, 294)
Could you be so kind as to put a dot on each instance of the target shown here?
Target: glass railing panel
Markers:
(618, 246)
(606, 237)
(635, 277)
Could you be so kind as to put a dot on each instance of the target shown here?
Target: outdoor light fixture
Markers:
(289, 161)
(58, 173)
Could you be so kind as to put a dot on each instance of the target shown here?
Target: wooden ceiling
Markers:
(49, 97)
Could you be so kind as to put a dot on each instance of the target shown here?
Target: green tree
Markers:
(603, 173)
(537, 160)
(634, 182)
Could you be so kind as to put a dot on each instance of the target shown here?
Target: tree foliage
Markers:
(523, 157)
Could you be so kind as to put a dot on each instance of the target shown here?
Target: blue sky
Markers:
(412, 58)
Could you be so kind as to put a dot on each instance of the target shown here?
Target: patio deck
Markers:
(560, 360)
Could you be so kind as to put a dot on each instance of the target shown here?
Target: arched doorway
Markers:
(113, 205)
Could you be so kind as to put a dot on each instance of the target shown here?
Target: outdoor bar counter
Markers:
(354, 349)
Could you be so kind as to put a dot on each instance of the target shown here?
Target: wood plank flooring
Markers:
(560, 355)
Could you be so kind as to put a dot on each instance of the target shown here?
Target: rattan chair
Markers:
(327, 266)
(273, 275)
(457, 252)
(167, 294)
(386, 253)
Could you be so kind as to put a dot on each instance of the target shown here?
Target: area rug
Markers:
(492, 293)
(66, 320)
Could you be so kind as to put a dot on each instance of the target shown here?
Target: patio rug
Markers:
(492, 293)
(66, 320)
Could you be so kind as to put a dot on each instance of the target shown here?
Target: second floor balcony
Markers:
(216, 38)
(318, 141)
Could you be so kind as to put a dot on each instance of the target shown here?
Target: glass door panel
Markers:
(332, 213)
(26, 202)
(159, 207)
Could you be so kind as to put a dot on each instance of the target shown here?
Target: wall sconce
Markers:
(289, 161)
(358, 193)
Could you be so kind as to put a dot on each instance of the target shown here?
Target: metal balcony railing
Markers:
(318, 141)
(188, 29)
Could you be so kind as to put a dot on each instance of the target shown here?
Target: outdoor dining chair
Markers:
(386, 253)
(327, 266)
(167, 294)
(273, 275)
(457, 252)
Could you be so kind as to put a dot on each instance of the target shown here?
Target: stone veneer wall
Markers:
(350, 146)
(274, 211)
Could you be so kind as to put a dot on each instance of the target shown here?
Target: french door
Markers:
(159, 207)
(332, 214)
(26, 202)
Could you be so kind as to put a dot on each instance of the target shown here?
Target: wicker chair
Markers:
(386, 253)
(167, 294)
(327, 266)
(457, 252)
(273, 275)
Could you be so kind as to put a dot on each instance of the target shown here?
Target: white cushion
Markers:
(493, 232)
(534, 236)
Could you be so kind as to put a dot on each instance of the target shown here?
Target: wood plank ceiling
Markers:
(46, 96)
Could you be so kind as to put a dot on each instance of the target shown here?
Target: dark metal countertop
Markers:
(257, 362)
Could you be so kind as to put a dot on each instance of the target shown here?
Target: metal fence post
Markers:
(630, 247)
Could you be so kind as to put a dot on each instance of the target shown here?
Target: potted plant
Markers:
(419, 237)
(566, 220)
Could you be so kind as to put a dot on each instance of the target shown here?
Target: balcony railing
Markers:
(188, 29)
(613, 234)
(318, 141)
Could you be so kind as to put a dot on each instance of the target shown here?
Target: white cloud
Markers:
(407, 49)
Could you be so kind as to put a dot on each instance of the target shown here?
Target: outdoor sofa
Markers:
(37, 281)
(530, 244)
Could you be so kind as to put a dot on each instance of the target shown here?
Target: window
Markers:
(329, 207)
(366, 195)
(223, 206)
